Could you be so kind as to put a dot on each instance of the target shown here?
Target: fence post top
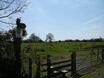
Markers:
(30, 59)
(74, 52)
(38, 55)
(48, 55)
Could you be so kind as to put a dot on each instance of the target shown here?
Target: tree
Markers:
(34, 38)
(10, 49)
(5, 36)
(20, 30)
(8, 8)
(6, 46)
(49, 37)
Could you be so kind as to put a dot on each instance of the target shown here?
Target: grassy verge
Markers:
(95, 72)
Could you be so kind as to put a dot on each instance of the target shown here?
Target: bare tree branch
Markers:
(4, 1)
(13, 12)
(3, 8)
(11, 7)
(8, 8)
(6, 22)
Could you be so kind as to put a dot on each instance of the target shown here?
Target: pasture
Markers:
(58, 51)
(57, 48)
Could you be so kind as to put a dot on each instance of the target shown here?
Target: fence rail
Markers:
(58, 62)
(55, 68)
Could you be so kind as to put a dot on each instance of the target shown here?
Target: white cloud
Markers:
(92, 28)
(93, 20)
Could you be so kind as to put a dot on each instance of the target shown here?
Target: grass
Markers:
(98, 72)
(56, 50)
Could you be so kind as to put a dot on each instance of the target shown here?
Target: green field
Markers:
(57, 50)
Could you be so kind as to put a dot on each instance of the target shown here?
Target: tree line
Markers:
(85, 40)
(35, 38)
(50, 38)
(8, 36)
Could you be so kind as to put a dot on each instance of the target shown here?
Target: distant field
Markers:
(55, 49)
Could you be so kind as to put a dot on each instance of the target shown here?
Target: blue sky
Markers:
(66, 19)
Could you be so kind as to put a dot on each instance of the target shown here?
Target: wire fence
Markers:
(87, 58)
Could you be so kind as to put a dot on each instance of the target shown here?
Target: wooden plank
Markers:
(44, 70)
(73, 62)
(69, 70)
(67, 65)
(30, 68)
(62, 66)
(59, 62)
(44, 64)
(38, 73)
(44, 76)
(48, 66)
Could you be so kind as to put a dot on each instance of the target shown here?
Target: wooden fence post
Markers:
(48, 66)
(17, 50)
(103, 54)
(38, 67)
(98, 53)
(30, 68)
(73, 65)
